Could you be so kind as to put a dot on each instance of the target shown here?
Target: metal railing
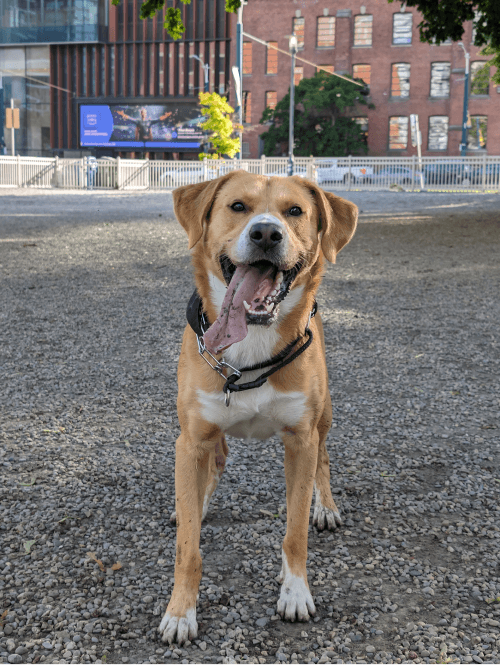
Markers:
(461, 174)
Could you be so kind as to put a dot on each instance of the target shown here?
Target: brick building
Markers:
(379, 43)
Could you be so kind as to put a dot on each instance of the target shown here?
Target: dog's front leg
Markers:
(301, 452)
(191, 473)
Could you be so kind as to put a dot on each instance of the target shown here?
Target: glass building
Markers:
(49, 21)
(91, 52)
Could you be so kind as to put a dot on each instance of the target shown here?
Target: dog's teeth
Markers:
(273, 293)
(269, 307)
(246, 305)
(279, 278)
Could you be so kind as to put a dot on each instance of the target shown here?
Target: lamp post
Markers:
(292, 44)
(239, 65)
(206, 67)
(465, 115)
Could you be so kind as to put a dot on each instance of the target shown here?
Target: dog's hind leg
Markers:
(326, 514)
(217, 463)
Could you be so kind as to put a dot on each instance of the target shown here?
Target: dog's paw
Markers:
(173, 517)
(179, 629)
(295, 602)
(325, 518)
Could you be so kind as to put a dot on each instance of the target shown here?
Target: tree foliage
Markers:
(445, 19)
(320, 125)
(219, 124)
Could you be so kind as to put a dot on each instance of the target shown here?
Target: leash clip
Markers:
(219, 365)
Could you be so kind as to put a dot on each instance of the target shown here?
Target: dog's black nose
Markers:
(266, 235)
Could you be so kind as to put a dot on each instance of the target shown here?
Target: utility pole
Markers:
(292, 44)
(465, 115)
(2, 118)
(12, 129)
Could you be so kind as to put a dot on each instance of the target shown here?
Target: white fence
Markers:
(461, 174)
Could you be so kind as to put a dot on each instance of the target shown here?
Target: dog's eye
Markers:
(295, 211)
(238, 207)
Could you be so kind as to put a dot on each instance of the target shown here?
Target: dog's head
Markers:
(262, 237)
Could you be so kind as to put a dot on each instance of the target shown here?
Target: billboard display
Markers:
(146, 126)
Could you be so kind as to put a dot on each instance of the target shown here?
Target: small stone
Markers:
(370, 649)
(46, 645)
(262, 622)
(203, 646)
(16, 658)
(147, 600)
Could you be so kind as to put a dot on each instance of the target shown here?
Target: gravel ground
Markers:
(94, 288)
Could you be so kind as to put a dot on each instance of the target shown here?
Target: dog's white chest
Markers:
(254, 414)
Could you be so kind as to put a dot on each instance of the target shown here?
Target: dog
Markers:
(252, 363)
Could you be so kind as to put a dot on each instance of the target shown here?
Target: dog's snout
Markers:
(265, 235)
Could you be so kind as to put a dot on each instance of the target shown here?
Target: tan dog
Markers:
(257, 249)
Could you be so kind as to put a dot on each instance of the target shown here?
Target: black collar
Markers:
(199, 322)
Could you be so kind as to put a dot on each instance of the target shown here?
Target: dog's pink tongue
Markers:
(231, 325)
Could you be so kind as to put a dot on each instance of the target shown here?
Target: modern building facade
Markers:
(379, 43)
(95, 54)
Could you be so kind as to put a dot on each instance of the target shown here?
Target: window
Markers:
(271, 99)
(272, 58)
(363, 26)
(298, 30)
(480, 78)
(400, 80)
(245, 149)
(363, 125)
(247, 58)
(476, 138)
(401, 28)
(329, 68)
(440, 79)
(438, 132)
(362, 72)
(247, 106)
(398, 132)
(298, 75)
(326, 32)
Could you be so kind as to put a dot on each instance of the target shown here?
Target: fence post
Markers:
(349, 174)
(413, 164)
(483, 177)
(262, 164)
(118, 183)
(205, 169)
(19, 177)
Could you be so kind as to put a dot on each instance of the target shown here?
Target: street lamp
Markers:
(206, 67)
(292, 45)
(465, 116)
(238, 77)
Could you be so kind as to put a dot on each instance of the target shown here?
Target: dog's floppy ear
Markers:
(193, 203)
(337, 220)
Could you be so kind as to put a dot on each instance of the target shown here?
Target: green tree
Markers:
(321, 127)
(219, 124)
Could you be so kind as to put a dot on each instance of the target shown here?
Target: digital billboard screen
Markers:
(141, 126)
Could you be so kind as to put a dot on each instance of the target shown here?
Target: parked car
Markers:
(192, 174)
(447, 173)
(492, 174)
(301, 171)
(394, 174)
(337, 170)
